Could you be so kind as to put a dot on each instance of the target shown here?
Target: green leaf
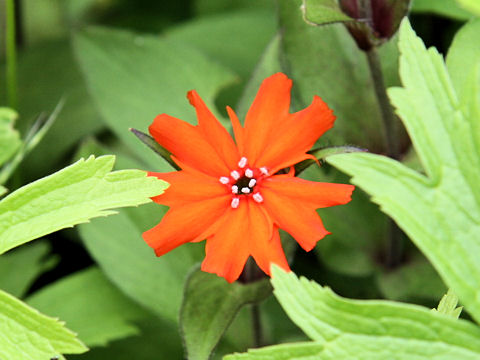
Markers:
(364, 330)
(71, 196)
(440, 211)
(20, 267)
(448, 305)
(447, 8)
(319, 12)
(9, 137)
(463, 59)
(156, 340)
(269, 64)
(414, 281)
(325, 61)
(122, 67)
(91, 306)
(255, 27)
(116, 244)
(34, 136)
(471, 5)
(41, 91)
(209, 306)
(29, 335)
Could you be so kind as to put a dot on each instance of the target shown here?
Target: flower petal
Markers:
(227, 251)
(268, 110)
(187, 186)
(185, 223)
(269, 251)
(295, 135)
(188, 143)
(316, 194)
(296, 217)
(216, 134)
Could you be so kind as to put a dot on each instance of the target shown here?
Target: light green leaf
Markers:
(148, 76)
(364, 330)
(471, 5)
(9, 137)
(463, 61)
(447, 8)
(91, 306)
(20, 267)
(116, 244)
(28, 335)
(440, 212)
(319, 12)
(209, 306)
(448, 305)
(325, 61)
(71, 196)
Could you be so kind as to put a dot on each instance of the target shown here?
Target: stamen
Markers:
(224, 180)
(264, 170)
(235, 174)
(249, 173)
(252, 183)
(235, 202)
(258, 197)
(246, 190)
(242, 162)
(234, 189)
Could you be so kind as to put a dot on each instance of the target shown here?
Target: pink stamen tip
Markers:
(242, 162)
(264, 170)
(234, 189)
(252, 183)
(235, 203)
(246, 190)
(235, 174)
(224, 180)
(258, 197)
(249, 173)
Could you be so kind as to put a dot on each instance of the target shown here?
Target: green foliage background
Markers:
(117, 64)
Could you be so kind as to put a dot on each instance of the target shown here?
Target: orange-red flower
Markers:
(231, 194)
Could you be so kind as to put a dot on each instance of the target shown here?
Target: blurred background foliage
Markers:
(117, 64)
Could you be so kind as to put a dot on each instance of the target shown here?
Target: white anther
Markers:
(235, 203)
(235, 174)
(246, 190)
(234, 189)
(249, 173)
(258, 197)
(242, 162)
(224, 180)
(264, 170)
(252, 183)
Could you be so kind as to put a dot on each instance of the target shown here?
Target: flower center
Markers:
(241, 182)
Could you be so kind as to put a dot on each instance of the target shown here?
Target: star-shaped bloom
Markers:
(231, 192)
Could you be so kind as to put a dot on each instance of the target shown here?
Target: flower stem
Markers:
(394, 247)
(11, 54)
(257, 329)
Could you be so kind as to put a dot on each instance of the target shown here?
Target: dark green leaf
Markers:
(209, 306)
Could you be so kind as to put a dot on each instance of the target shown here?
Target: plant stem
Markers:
(395, 247)
(11, 54)
(257, 327)
(386, 110)
(257, 330)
